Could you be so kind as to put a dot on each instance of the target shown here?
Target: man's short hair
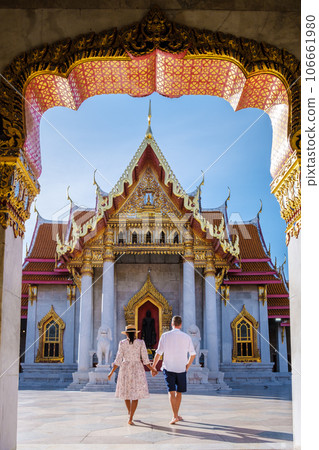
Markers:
(177, 321)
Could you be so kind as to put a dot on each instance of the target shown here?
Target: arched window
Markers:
(51, 339)
(244, 328)
(134, 237)
(244, 338)
(162, 237)
(121, 239)
(175, 239)
(51, 328)
(148, 237)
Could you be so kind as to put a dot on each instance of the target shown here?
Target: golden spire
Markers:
(149, 133)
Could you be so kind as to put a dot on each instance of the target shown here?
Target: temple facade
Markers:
(146, 252)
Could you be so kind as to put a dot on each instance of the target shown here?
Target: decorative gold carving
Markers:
(287, 189)
(51, 315)
(33, 293)
(244, 314)
(71, 293)
(155, 32)
(87, 268)
(283, 334)
(108, 254)
(210, 268)
(262, 294)
(18, 188)
(220, 277)
(189, 247)
(139, 201)
(149, 292)
(224, 294)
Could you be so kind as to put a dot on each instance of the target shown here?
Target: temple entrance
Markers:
(150, 312)
(148, 315)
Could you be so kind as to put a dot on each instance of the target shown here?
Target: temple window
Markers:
(244, 328)
(148, 237)
(134, 237)
(162, 237)
(51, 340)
(121, 239)
(175, 239)
(51, 328)
(244, 338)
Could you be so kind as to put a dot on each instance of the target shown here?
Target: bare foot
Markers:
(174, 420)
(180, 418)
(130, 422)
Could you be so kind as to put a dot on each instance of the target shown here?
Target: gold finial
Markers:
(35, 207)
(149, 133)
(261, 208)
(68, 196)
(228, 198)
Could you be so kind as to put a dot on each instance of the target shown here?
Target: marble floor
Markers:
(255, 418)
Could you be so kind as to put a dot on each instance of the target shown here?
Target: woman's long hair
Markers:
(131, 335)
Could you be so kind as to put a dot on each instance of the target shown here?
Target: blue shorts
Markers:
(175, 381)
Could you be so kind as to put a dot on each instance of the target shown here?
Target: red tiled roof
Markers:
(44, 239)
(250, 243)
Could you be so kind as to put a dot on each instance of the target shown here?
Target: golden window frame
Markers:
(51, 315)
(244, 314)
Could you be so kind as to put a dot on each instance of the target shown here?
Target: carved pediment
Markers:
(148, 197)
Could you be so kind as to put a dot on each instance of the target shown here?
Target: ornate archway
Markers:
(149, 293)
(153, 55)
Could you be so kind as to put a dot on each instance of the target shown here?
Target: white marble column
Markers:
(107, 312)
(189, 301)
(10, 313)
(294, 258)
(30, 343)
(210, 312)
(86, 316)
(282, 349)
(264, 345)
(108, 289)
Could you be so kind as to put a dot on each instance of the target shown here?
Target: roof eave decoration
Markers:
(105, 203)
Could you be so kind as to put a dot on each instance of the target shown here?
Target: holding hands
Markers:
(153, 370)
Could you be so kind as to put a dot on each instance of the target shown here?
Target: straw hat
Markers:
(130, 328)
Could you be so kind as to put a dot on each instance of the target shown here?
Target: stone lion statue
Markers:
(104, 338)
(194, 333)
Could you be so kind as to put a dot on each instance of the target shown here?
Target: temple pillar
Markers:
(31, 337)
(294, 257)
(282, 349)
(10, 312)
(86, 314)
(189, 301)
(108, 289)
(17, 191)
(210, 312)
(264, 346)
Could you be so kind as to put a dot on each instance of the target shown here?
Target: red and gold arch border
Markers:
(153, 55)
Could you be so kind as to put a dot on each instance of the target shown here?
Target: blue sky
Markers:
(192, 132)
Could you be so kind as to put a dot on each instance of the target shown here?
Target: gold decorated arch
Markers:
(148, 292)
(56, 340)
(155, 55)
(244, 317)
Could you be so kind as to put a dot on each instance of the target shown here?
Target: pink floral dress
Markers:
(131, 381)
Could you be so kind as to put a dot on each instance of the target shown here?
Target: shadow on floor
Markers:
(212, 432)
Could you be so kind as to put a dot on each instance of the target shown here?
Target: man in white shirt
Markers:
(179, 355)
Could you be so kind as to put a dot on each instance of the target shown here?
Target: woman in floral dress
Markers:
(131, 382)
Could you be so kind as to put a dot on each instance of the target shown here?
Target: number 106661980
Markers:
(310, 57)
